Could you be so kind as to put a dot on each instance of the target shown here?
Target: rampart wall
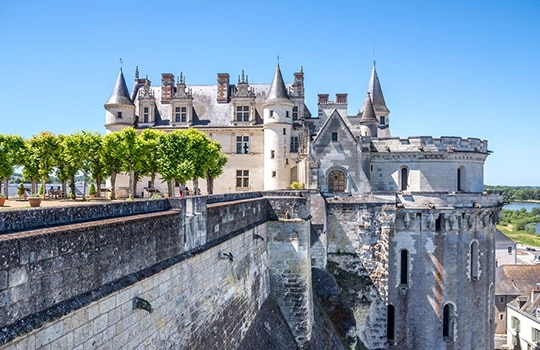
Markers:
(202, 270)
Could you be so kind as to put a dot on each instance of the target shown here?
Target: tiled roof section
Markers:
(374, 88)
(207, 111)
(120, 93)
(532, 306)
(516, 279)
(277, 91)
(501, 238)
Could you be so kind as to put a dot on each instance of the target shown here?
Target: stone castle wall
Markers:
(202, 267)
(205, 302)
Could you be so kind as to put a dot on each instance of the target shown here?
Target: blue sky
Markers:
(456, 68)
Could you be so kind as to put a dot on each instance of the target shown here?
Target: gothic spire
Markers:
(120, 93)
(374, 89)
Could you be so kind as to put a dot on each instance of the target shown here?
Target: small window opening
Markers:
(390, 322)
(404, 267)
(334, 136)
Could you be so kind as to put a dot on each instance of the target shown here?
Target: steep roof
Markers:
(516, 279)
(375, 90)
(120, 93)
(368, 114)
(277, 91)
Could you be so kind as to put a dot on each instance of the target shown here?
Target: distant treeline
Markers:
(511, 193)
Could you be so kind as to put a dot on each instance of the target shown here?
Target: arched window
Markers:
(404, 179)
(461, 179)
(390, 322)
(474, 264)
(404, 267)
(448, 322)
(336, 181)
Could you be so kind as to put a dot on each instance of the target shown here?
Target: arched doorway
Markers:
(336, 181)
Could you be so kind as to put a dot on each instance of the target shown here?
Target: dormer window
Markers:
(242, 113)
(295, 113)
(382, 120)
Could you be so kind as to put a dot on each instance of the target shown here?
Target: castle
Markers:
(406, 218)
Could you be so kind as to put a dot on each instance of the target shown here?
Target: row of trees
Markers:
(516, 193)
(180, 156)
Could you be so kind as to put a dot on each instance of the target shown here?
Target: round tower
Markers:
(277, 113)
(119, 109)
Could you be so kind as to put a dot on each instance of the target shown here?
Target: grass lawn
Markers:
(525, 238)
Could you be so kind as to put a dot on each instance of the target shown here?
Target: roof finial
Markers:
(278, 57)
(374, 54)
(136, 72)
(121, 62)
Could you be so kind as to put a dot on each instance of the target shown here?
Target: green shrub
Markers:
(297, 185)
(92, 190)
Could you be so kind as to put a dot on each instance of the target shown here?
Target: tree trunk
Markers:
(64, 188)
(84, 186)
(6, 187)
(170, 188)
(195, 186)
(113, 182)
(209, 184)
(98, 185)
(73, 194)
(131, 180)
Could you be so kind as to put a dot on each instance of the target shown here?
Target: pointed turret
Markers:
(277, 113)
(119, 109)
(368, 121)
(120, 93)
(374, 88)
(277, 91)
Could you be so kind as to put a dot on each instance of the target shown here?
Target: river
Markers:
(518, 205)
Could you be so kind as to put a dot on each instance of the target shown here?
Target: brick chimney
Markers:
(223, 87)
(341, 98)
(167, 87)
(323, 98)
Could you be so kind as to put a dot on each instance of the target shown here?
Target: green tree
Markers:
(98, 170)
(112, 158)
(12, 150)
(216, 162)
(173, 165)
(149, 142)
(131, 152)
(65, 168)
(44, 151)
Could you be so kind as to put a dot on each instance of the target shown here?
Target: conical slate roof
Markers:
(120, 93)
(374, 88)
(277, 91)
(368, 112)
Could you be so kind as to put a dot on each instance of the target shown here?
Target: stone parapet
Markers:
(430, 144)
